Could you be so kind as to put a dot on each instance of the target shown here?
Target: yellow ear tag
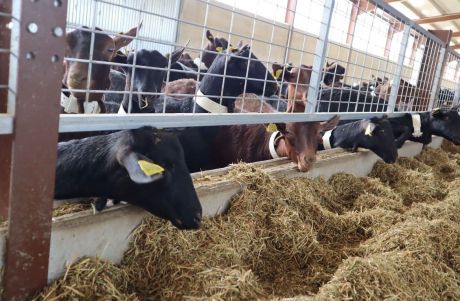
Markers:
(277, 74)
(219, 49)
(149, 168)
(271, 128)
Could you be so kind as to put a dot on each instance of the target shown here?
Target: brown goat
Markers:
(251, 143)
(181, 88)
(297, 141)
(104, 49)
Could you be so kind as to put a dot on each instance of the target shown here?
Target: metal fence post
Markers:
(36, 81)
(399, 68)
(457, 88)
(437, 78)
(320, 55)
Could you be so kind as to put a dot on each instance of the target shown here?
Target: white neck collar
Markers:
(327, 140)
(70, 105)
(208, 104)
(121, 110)
(417, 124)
(271, 145)
(200, 64)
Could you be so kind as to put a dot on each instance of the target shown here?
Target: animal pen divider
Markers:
(418, 69)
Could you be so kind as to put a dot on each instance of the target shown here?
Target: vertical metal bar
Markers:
(320, 55)
(5, 140)
(205, 24)
(290, 18)
(427, 71)
(437, 77)
(457, 88)
(352, 24)
(36, 128)
(5, 8)
(290, 12)
(397, 77)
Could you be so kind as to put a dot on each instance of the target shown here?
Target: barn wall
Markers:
(220, 20)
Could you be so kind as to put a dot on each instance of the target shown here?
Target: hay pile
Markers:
(394, 235)
(73, 207)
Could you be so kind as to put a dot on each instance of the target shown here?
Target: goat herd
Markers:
(150, 168)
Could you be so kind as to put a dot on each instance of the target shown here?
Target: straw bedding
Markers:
(394, 235)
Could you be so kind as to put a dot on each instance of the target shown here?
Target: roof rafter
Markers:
(440, 18)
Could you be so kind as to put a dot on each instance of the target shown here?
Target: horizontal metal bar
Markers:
(7, 15)
(6, 124)
(101, 122)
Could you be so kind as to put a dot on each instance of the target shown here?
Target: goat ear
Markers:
(281, 127)
(437, 113)
(330, 124)
(175, 55)
(71, 41)
(124, 41)
(244, 51)
(120, 58)
(141, 169)
(369, 129)
(209, 36)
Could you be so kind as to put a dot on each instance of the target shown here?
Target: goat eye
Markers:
(111, 50)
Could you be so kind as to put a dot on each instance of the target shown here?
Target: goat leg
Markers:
(405, 134)
(81, 107)
(102, 106)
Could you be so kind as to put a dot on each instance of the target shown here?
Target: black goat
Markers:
(144, 167)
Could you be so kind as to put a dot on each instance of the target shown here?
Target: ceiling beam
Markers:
(440, 18)
(393, 1)
(456, 34)
(456, 46)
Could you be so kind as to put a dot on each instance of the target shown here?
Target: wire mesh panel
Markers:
(447, 95)
(8, 57)
(375, 63)
(248, 58)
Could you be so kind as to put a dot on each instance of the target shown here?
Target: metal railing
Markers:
(409, 63)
